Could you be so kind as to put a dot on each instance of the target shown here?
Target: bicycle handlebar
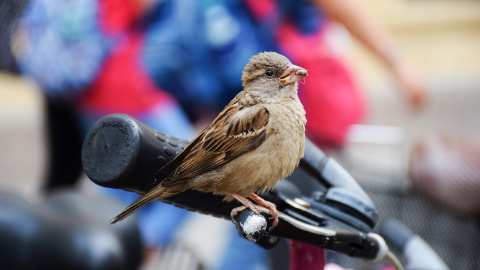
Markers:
(121, 152)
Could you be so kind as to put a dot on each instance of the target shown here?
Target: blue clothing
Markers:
(63, 51)
(196, 49)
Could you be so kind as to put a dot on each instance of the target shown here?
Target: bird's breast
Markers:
(276, 158)
(288, 137)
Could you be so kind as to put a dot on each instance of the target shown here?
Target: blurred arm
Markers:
(362, 24)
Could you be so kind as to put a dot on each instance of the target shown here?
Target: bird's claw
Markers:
(272, 208)
(256, 210)
(275, 222)
(235, 212)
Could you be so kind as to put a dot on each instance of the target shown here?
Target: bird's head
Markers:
(272, 74)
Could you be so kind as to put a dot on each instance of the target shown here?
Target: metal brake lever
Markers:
(367, 246)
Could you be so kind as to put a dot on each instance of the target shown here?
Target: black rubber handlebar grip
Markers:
(121, 152)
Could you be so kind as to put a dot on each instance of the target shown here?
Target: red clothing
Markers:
(122, 84)
(331, 97)
(118, 15)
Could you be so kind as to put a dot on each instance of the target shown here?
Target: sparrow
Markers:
(255, 141)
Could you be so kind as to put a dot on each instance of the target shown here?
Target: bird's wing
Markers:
(235, 131)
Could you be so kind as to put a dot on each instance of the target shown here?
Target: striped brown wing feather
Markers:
(235, 131)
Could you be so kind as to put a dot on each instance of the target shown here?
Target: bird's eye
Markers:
(269, 73)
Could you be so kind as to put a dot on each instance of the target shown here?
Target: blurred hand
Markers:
(412, 82)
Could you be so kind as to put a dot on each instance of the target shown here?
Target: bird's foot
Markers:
(269, 205)
(255, 208)
(246, 204)
(235, 212)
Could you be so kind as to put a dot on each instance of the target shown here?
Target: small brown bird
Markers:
(257, 140)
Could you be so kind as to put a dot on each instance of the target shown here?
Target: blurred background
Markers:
(391, 149)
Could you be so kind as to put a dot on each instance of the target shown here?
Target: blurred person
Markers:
(361, 23)
(212, 40)
(141, 57)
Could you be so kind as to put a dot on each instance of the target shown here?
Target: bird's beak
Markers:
(293, 74)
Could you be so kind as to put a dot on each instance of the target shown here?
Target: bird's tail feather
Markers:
(150, 196)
